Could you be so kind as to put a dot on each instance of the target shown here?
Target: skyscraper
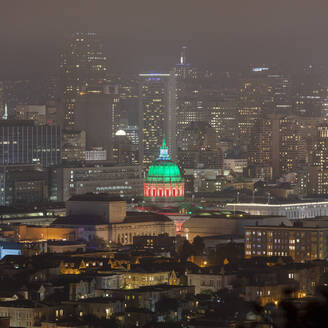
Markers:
(279, 145)
(83, 65)
(183, 69)
(23, 142)
(318, 164)
(157, 114)
(263, 90)
(193, 94)
(96, 115)
(199, 148)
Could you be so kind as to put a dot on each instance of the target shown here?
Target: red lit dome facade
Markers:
(163, 181)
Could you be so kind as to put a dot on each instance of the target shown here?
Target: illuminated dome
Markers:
(120, 133)
(164, 169)
(164, 180)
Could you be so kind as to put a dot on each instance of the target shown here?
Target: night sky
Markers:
(147, 34)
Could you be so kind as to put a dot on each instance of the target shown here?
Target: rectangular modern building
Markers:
(23, 185)
(95, 178)
(290, 210)
(23, 142)
(302, 243)
(97, 115)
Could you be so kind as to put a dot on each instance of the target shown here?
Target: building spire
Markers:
(183, 56)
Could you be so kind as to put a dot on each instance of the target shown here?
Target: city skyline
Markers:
(139, 36)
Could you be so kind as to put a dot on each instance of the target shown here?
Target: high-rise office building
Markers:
(97, 115)
(157, 114)
(191, 109)
(183, 69)
(73, 145)
(310, 93)
(318, 163)
(37, 113)
(199, 148)
(126, 87)
(23, 185)
(263, 149)
(263, 90)
(83, 66)
(26, 92)
(279, 145)
(2, 99)
(223, 115)
(124, 151)
(195, 93)
(22, 142)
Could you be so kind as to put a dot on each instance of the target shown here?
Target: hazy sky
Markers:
(141, 34)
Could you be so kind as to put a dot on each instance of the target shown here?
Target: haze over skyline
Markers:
(219, 34)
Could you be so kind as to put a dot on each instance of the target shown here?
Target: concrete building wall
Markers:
(124, 233)
(37, 233)
(291, 211)
(94, 116)
(114, 211)
(214, 282)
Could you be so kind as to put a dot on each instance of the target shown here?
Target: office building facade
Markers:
(23, 185)
(83, 64)
(157, 114)
(300, 243)
(22, 142)
(126, 181)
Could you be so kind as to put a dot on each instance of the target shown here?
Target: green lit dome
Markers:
(164, 169)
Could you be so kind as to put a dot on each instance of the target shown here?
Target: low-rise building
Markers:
(99, 217)
(299, 210)
(9, 248)
(62, 246)
(265, 293)
(237, 165)
(24, 313)
(299, 242)
(136, 278)
(109, 281)
(125, 180)
(215, 223)
(101, 307)
(210, 279)
(160, 242)
(141, 224)
(146, 297)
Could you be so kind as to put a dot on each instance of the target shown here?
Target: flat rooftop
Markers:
(227, 214)
(296, 203)
(96, 198)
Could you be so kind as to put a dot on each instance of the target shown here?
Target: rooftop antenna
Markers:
(183, 56)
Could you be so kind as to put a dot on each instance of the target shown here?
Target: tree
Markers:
(186, 250)
(97, 242)
(198, 245)
(232, 252)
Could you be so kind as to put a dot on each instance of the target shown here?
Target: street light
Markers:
(254, 191)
